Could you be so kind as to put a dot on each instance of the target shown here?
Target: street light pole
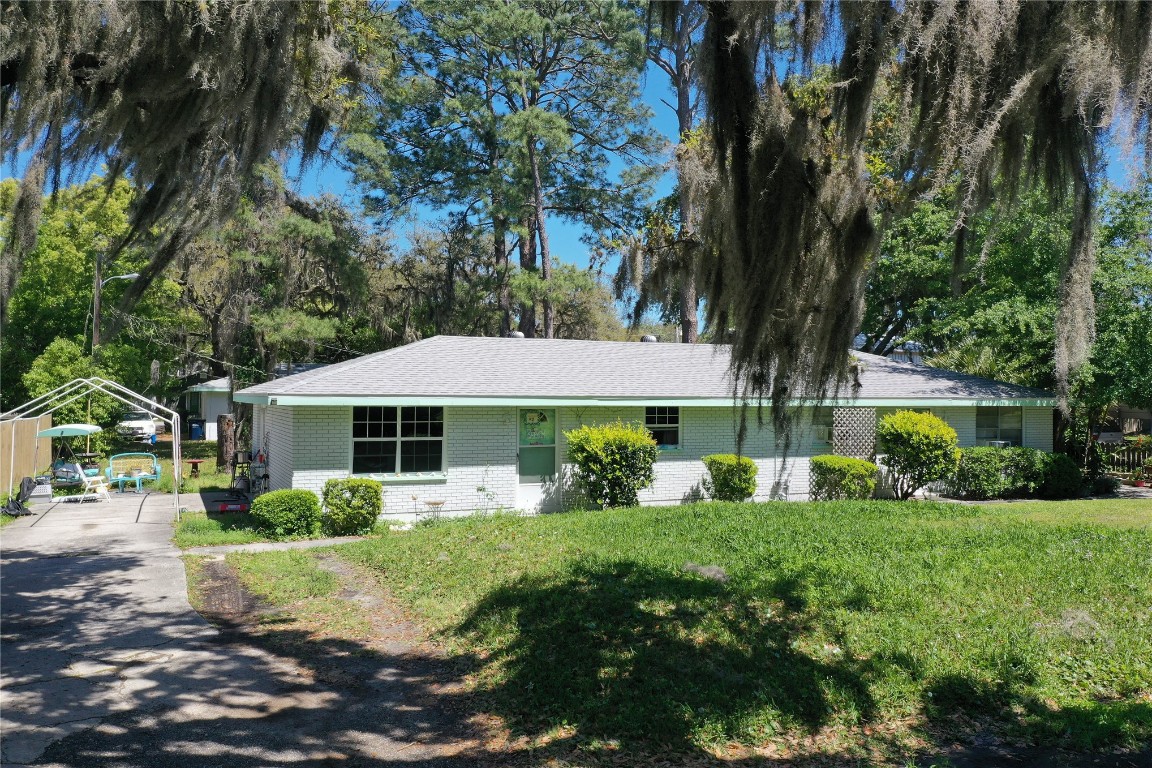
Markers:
(97, 286)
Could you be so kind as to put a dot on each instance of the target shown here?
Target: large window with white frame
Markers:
(1004, 423)
(391, 440)
(664, 424)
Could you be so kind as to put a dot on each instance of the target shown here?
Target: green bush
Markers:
(979, 475)
(287, 514)
(997, 473)
(1024, 468)
(613, 462)
(730, 477)
(352, 505)
(919, 448)
(1062, 478)
(842, 477)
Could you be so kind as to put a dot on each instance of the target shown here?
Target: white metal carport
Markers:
(78, 388)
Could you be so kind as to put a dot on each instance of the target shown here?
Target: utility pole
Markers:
(96, 286)
(97, 289)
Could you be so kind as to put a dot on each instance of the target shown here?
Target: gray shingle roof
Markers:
(470, 367)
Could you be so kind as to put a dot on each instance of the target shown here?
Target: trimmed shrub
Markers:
(919, 448)
(1062, 478)
(979, 475)
(997, 473)
(1024, 469)
(613, 462)
(287, 514)
(352, 505)
(1105, 485)
(730, 477)
(842, 477)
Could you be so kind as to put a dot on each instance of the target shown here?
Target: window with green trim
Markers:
(390, 440)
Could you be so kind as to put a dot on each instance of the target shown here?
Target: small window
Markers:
(822, 428)
(664, 424)
(1000, 423)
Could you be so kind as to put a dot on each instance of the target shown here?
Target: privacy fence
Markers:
(1125, 457)
(31, 454)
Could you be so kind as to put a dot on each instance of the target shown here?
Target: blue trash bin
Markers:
(196, 429)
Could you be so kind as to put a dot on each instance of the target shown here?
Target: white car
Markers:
(136, 424)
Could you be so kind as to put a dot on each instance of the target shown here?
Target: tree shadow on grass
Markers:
(614, 654)
(636, 655)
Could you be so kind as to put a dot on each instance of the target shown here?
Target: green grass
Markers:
(200, 529)
(1125, 513)
(826, 618)
(213, 529)
(284, 577)
(6, 520)
(305, 595)
(209, 480)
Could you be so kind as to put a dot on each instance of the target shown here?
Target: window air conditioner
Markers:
(996, 443)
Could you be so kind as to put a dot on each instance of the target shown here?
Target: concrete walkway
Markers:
(103, 662)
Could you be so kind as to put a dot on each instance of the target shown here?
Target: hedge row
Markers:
(1005, 473)
(352, 506)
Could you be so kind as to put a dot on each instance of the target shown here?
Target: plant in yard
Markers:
(1140, 476)
(1062, 478)
(998, 473)
(979, 474)
(919, 448)
(288, 513)
(842, 477)
(352, 505)
(1024, 469)
(730, 477)
(613, 462)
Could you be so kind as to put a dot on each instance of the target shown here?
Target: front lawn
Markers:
(202, 529)
(744, 628)
(213, 529)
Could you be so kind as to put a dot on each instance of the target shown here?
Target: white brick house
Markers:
(478, 423)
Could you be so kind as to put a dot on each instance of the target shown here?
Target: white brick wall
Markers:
(480, 453)
(704, 431)
(277, 425)
(481, 449)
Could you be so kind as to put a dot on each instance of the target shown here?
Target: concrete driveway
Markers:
(103, 662)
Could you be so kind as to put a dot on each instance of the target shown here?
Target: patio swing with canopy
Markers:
(66, 457)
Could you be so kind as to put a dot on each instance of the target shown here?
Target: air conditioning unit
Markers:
(996, 443)
(822, 433)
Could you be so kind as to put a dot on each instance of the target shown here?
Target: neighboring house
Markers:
(212, 399)
(478, 423)
(207, 401)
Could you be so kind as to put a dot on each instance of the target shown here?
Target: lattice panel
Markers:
(854, 432)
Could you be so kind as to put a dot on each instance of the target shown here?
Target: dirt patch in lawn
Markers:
(398, 679)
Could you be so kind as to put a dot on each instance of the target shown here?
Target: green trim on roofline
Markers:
(522, 402)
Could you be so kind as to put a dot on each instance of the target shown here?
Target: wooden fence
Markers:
(1124, 457)
(31, 454)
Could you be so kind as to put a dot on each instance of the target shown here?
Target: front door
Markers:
(538, 489)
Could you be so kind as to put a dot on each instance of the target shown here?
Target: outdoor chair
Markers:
(92, 487)
(133, 468)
